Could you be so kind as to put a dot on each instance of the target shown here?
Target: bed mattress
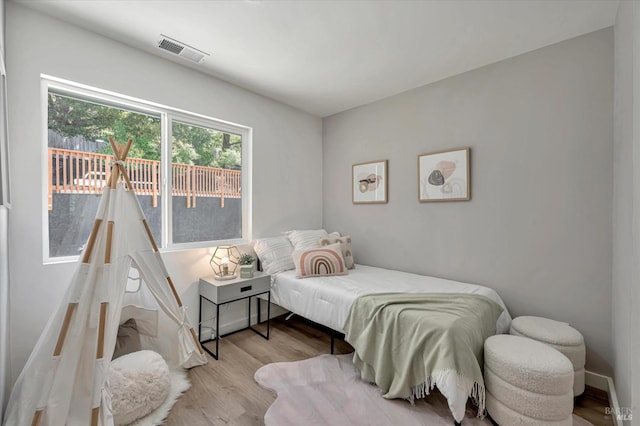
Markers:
(326, 300)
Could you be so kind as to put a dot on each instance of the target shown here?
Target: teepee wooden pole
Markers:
(123, 171)
(195, 339)
(120, 152)
(95, 414)
(126, 149)
(95, 411)
(37, 416)
(92, 241)
(107, 253)
(175, 293)
(65, 328)
(150, 235)
(115, 171)
(119, 155)
(101, 328)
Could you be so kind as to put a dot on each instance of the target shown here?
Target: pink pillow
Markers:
(320, 262)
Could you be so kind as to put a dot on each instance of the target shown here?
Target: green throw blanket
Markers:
(406, 343)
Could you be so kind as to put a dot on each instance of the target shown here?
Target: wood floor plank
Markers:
(224, 392)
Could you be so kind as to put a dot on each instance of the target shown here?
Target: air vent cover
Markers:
(183, 50)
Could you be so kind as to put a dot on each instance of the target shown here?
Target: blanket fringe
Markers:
(474, 390)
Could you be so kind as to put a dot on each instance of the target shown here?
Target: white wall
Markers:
(626, 214)
(287, 153)
(538, 227)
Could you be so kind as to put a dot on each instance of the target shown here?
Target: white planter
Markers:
(246, 271)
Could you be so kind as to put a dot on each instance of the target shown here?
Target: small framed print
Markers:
(369, 183)
(444, 176)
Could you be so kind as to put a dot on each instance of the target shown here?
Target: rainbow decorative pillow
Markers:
(345, 246)
(320, 262)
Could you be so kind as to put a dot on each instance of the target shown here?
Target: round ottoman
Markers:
(527, 382)
(558, 335)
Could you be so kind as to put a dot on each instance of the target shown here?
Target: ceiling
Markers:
(329, 56)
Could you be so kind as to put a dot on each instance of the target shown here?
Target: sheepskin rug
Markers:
(143, 389)
(327, 390)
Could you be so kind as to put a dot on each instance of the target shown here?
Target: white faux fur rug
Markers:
(179, 384)
(327, 390)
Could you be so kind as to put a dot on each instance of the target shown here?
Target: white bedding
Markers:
(326, 301)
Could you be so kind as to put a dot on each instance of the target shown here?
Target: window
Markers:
(208, 201)
(206, 171)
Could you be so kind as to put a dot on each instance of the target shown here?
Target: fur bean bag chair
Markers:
(140, 383)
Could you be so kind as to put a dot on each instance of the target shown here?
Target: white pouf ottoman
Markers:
(558, 335)
(139, 383)
(527, 382)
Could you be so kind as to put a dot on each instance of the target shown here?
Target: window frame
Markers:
(167, 116)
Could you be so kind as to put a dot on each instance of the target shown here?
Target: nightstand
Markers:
(222, 292)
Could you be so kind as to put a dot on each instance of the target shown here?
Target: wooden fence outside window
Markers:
(78, 172)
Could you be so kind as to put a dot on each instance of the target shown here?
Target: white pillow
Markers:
(274, 254)
(139, 383)
(305, 240)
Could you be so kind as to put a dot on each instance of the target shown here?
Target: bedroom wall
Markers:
(538, 227)
(625, 286)
(287, 154)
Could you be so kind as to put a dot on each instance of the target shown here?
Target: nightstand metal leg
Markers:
(268, 314)
(217, 331)
(264, 336)
(200, 322)
(259, 302)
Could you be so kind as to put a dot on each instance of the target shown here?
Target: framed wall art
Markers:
(444, 176)
(369, 183)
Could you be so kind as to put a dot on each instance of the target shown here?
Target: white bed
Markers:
(326, 301)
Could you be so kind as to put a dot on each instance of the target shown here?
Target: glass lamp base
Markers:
(225, 277)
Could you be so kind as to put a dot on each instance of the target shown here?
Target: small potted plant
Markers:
(246, 265)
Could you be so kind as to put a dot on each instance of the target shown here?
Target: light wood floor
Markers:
(224, 393)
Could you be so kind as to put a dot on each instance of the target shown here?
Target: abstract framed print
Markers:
(369, 183)
(444, 176)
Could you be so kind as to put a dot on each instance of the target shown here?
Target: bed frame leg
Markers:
(332, 343)
(456, 423)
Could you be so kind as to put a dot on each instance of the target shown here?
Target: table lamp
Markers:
(224, 262)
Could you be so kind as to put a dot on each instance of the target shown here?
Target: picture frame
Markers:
(444, 176)
(369, 183)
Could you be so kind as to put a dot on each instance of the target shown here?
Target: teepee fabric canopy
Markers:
(64, 382)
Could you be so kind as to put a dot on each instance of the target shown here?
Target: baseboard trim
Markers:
(605, 383)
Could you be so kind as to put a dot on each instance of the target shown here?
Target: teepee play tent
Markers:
(65, 380)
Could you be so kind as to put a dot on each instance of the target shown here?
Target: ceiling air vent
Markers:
(178, 48)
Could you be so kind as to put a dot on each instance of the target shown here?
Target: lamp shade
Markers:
(224, 262)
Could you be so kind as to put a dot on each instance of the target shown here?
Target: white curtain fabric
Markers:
(68, 387)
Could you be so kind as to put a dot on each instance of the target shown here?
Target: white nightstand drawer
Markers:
(225, 291)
